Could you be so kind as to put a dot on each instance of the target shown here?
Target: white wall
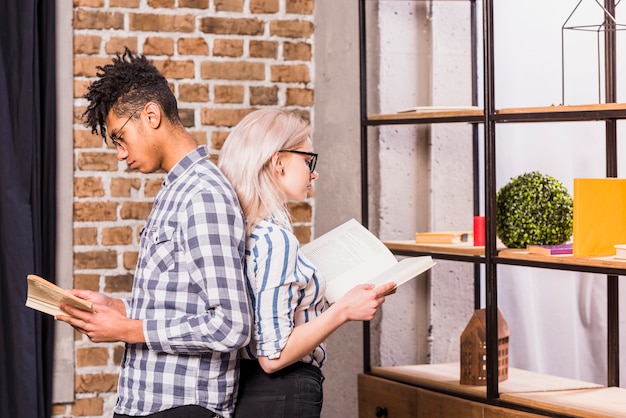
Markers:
(405, 163)
(64, 335)
(337, 191)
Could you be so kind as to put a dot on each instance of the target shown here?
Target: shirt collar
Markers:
(185, 164)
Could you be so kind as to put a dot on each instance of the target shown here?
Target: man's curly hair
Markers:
(128, 83)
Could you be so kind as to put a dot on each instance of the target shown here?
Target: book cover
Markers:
(443, 237)
(556, 249)
(620, 250)
(599, 215)
(350, 255)
(46, 297)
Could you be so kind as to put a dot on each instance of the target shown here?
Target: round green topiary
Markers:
(533, 209)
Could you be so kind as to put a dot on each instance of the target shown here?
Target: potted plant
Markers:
(533, 208)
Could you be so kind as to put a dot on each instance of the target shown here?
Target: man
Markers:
(188, 312)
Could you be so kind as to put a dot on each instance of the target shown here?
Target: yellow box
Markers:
(599, 215)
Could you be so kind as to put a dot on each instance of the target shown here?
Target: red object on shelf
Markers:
(479, 231)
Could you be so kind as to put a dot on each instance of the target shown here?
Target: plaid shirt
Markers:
(189, 290)
(285, 291)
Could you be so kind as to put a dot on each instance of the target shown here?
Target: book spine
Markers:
(560, 251)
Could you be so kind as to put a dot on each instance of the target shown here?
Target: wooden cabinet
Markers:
(382, 398)
(434, 391)
(401, 395)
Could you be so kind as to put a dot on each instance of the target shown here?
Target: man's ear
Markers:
(153, 113)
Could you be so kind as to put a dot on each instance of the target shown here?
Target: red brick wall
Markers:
(223, 58)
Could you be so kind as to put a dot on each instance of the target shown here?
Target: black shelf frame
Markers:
(610, 73)
(489, 120)
(560, 266)
(425, 120)
(560, 116)
(366, 123)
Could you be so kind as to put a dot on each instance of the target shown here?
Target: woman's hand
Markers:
(359, 304)
(362, 302)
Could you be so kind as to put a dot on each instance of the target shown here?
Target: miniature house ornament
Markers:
(474, 350)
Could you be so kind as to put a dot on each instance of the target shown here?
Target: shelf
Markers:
(468, 252)
(535, 390)
(604, 265)
(602, 402)
(457, 252)
(589, 112)
(415, 1)
(472, 114)
(427, 114)
(446, 376)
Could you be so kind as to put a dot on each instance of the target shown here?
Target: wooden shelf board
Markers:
(469, 249)
(446, 377)
(461, 249)
(536, 390)
(561, 108)
(591, 403)
(430, 112)
(602, 262)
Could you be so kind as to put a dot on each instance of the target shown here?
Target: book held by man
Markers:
(46, 297)
(350, 255)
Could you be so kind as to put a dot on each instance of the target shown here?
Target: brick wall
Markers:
(223, 58)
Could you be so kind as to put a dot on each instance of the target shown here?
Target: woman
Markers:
(269, 159)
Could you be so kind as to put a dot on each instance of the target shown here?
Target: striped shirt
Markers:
(285, 291)
(189, 291)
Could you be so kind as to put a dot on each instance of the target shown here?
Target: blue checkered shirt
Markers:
(189, 290)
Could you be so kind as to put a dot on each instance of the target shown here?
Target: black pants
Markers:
(293, 392)
(187, 411)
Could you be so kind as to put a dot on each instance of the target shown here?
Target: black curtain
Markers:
(27, 202)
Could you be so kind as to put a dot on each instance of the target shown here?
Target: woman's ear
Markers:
(277, 164)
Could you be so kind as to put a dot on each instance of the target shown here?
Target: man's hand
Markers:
(107, 322)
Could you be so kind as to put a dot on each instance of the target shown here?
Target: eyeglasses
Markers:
(114, 137)
(311, 163)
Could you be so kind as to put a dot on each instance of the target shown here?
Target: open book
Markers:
(350, 255)
(46, 297)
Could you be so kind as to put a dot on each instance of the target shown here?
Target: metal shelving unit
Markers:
(489, 117)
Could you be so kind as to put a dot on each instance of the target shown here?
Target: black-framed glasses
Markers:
(115, 137)
(311, 163)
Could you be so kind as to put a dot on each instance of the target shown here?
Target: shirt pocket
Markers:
(160, 247)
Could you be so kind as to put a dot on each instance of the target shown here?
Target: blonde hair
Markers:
(245, 160)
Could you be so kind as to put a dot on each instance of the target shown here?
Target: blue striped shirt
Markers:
(189, 290)
(285, 291)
